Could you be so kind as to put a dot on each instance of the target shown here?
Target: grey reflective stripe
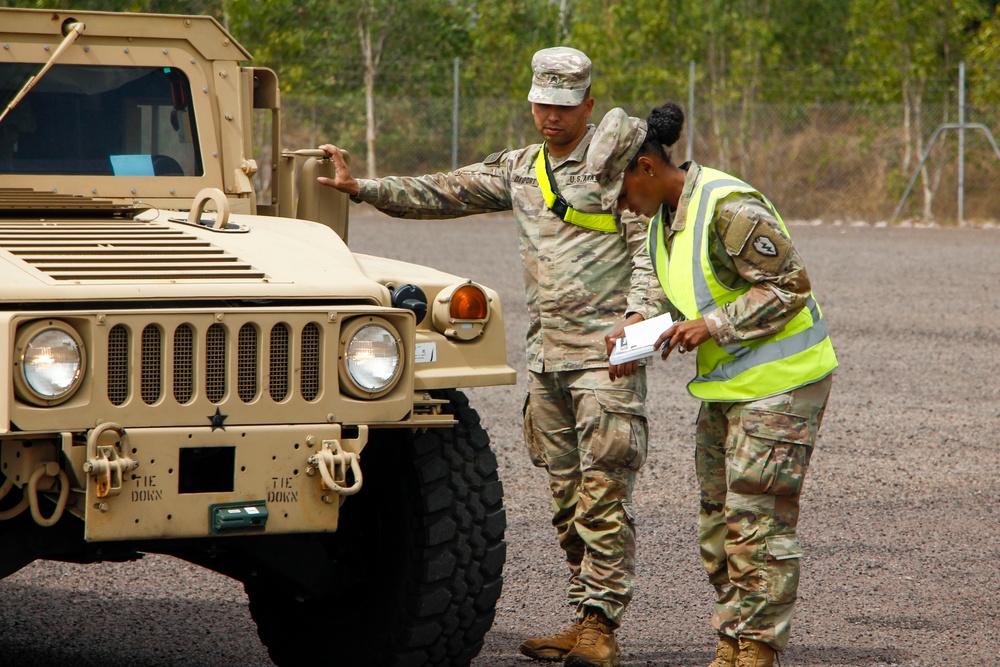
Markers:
(773, 351)
(652, 242)
(702, 294)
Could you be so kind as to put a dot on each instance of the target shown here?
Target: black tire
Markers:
(417, 558)
(15, 551)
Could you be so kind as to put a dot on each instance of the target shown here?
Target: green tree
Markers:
(899, 49)
(984, 54)
(496, 72)
(642, 50)
(343, 56)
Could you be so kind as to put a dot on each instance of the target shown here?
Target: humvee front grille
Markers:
(132, 250)
(183, 363)
(151, 378)
(278, 382)
(215, 368)
(215, 363)
(217, 348)
(246, 379)
(310, 361)
(118, 365)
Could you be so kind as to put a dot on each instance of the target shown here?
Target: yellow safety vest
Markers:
(799, 354)
(599, 222)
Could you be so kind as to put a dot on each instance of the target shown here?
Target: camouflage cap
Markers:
(561, 76)
(612, 147)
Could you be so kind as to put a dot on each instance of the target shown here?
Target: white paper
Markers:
(639, 339)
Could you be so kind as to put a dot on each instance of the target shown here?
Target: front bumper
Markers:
(184, 473)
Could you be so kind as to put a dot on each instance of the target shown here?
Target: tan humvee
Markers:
(201, 369)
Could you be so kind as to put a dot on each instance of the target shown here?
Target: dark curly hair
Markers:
(664, 125)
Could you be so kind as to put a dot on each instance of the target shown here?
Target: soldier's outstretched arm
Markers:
(342, 180)
(483, 187)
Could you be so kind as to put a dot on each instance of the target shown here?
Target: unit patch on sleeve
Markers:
(765, 246)
(493, 159)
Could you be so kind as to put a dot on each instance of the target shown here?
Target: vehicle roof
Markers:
(204, 33)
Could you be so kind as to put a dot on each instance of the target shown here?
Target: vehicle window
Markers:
(107, 121)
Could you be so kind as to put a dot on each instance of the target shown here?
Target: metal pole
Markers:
(454, 119)
(690, 115)
(961, 143)
(934, 138)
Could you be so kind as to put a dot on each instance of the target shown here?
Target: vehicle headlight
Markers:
(372, 357)
(51, 362)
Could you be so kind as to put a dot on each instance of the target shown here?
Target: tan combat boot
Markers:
(596, 646)
(726, 652)
(755, 654)
(552, 648)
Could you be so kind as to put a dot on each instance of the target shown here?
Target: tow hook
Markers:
(333, 463)
(50, 469)
(43, 478)
(106, 463)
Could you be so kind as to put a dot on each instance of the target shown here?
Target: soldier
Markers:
(764, 367)
(582, 269)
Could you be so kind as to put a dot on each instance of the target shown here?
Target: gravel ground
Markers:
(900, 517)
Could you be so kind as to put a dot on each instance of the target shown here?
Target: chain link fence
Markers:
(833, 161)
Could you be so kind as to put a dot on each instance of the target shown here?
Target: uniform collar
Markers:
(678, 218)
(579, 153)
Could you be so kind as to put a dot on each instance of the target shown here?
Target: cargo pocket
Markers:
(783, 557)
(535, 450)
(772, 453)
(620, 440)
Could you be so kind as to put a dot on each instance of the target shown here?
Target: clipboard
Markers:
(639, 338)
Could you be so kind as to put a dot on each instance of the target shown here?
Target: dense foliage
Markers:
(376, 71)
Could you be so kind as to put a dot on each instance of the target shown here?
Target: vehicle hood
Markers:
(158, 255)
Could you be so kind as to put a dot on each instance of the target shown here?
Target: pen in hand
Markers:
(666, 342)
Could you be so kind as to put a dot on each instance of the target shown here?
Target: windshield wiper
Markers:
(73, 31)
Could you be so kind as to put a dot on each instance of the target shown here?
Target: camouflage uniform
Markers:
(588, 433)
(751, 457)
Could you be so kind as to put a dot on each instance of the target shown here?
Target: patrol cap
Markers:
(615, 142)
(560, 75)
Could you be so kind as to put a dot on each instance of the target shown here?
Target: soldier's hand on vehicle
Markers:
(343, 180)
(684, 335)
(616, 371)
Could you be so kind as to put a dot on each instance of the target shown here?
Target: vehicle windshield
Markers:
(102, 121)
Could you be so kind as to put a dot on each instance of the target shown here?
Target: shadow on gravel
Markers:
(45, 626)
(827, 656)
(814, 656)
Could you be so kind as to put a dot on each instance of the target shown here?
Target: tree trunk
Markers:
(372, 52)
(907, 130)
(716, 77)
(370, 111)
(925, 179)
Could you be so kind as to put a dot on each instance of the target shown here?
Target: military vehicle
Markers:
(197, 365)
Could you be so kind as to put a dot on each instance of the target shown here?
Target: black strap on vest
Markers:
(560, 206)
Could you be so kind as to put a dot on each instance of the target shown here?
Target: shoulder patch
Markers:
(765, 246)
(493, 159)
(736, 225)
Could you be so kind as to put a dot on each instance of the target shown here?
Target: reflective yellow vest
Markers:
(799, 354)
(599, 222)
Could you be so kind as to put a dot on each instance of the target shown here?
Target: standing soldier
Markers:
(582, 269)
(765, 366)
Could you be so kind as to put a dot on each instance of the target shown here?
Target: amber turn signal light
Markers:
(460, 311)
(469, 303)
